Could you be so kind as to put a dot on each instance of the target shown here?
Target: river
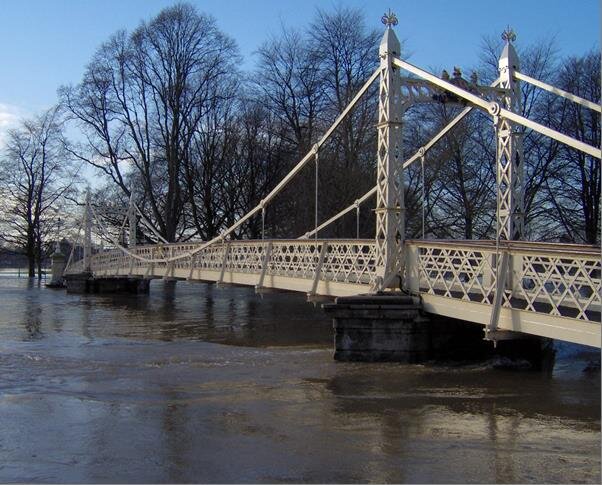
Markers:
(197, 384)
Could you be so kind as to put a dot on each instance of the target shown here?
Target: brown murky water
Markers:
(198, 384)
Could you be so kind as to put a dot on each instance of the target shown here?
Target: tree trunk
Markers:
(38, 254)
(31, 262)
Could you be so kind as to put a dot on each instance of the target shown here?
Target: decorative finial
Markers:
(389, 19)
(508, 35)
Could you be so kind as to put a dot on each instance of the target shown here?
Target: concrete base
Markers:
(535, 353)
(390, 327)
(377, 328)
(86, 283)
(58, 267)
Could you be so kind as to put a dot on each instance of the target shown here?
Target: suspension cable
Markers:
(121, 227)
(494, 109)
(559, 92)
(316, 193)
(149, 225)
(108, 237)
(79, 231)
(406, 164)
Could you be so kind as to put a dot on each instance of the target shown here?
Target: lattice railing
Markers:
(465, 273)
(560, 285)
(554, 279)
(345, 261)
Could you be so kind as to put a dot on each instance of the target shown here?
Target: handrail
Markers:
(526, 246)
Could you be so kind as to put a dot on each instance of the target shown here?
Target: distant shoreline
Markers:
(20, 271)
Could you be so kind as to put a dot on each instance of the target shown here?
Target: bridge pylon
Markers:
(509, 158)
(510, 181)
(390, 207)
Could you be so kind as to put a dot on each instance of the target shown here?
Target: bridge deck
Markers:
(553, 290)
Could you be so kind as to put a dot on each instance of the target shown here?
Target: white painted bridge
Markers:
(555, 290)
(506, 284)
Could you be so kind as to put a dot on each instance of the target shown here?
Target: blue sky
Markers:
(47, 43)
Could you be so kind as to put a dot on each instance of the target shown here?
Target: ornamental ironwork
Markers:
(508, 35)
(389, 19)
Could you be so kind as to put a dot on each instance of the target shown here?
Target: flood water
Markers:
(197, 384)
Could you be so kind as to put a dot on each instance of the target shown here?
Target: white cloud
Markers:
(9, 117)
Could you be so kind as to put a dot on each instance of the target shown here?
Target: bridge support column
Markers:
(510, 182)
(390, 209)
(510, 167)
(379, 328)
(390, 327)
(524, 351)
(132, 221)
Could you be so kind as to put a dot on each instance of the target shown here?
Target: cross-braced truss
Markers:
(510, 169)
(390, 208)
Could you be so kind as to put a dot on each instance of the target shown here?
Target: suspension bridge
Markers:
(508, 285)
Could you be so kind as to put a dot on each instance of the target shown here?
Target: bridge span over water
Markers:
(507, 284)
(553, 292)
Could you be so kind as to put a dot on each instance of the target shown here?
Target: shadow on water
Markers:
(193, 311)
(31, 318)
(474, 391)
(496, 416)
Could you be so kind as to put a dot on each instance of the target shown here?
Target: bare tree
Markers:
(141, 101)
(289, 82)
(306, 79)
(346, 52)
(574, 192)
(459, 175)
(35, 175)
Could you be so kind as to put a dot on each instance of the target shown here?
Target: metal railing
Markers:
(557, 286)
(552, 290)
(344, 261)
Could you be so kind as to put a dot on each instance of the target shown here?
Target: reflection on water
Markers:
(182, 311)
(143, 389)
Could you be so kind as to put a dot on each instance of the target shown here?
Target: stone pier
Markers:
(380, 327)
(87, 283)
(57, 269)
(391, 327)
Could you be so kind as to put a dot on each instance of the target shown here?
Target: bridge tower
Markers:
(510, 170)
(390, 208)
(510, 184)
